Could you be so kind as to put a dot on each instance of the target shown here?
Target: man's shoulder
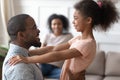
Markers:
(18, 68)
(19, 71)
(23, 66)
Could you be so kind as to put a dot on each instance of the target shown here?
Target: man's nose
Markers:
(38, 30)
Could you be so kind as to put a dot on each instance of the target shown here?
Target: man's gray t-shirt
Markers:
(20, 71)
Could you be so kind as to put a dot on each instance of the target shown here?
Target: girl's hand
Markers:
(16, 59)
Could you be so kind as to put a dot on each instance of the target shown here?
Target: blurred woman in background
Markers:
(58, 26)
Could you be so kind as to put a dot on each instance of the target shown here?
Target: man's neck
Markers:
(20, 44)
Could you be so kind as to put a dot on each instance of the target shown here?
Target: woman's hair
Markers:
(16, 24)
(63, 19)
(102, 12)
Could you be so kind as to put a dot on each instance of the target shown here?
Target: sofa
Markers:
(105, 66)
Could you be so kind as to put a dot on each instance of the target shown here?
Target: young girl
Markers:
(79, 51)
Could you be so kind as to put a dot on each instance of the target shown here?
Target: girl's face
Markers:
(57, 26)
(80, 22)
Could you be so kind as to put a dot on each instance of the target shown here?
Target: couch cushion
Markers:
(113, 64)
(93, 77)
(98, 65)
(112, 78)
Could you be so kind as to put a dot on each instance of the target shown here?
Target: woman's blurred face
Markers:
(57, 26)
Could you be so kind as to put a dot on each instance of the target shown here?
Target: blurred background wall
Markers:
(40, 10)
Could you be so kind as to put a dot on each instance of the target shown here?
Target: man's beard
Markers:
(33, 43)
(36, 44)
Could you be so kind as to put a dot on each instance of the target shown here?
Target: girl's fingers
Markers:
(14, 60)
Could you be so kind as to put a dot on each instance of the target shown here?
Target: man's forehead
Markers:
(30, 21)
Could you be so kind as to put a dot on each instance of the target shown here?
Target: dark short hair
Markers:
(15, 24)
(64, 20)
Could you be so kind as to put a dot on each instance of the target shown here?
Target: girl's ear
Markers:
(89, 20)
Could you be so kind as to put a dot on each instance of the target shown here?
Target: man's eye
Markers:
(35, 27)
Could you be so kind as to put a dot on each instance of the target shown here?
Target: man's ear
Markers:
(20, 34)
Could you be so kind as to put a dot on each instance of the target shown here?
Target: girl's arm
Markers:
(46, 58)
(54, 56)
(60, 47)
(40, 51)
(47, 49)
(49, 57)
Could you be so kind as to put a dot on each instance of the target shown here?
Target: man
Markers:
(23, 33)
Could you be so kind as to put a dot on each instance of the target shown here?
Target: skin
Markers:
(32, 33)
(57, 26)
(83, 25)
(62, 51)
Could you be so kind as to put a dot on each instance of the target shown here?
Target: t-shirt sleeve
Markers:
(86, 48)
